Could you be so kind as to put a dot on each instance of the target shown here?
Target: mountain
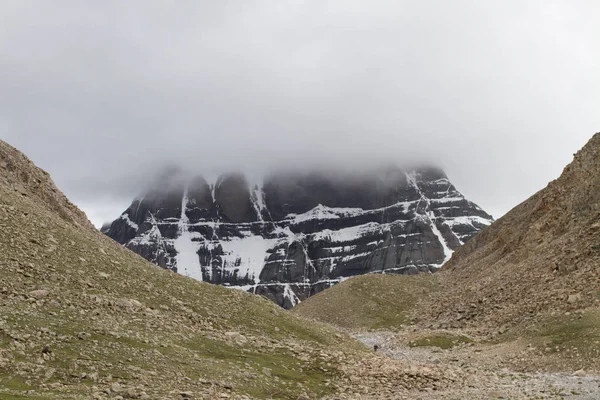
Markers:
(532, 278)
(82, 317)
(294, 233)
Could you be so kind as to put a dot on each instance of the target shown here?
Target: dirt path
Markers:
(481, 372)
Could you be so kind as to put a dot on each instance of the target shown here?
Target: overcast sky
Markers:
(100, 93)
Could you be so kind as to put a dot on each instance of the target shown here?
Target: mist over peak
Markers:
(253, 86)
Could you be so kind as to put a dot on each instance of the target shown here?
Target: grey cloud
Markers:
(103, 94)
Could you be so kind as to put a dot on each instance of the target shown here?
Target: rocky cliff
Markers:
(297, 233)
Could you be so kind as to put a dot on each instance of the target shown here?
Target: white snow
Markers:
(152, 235)
(467, 220)
(255, 182)
(249, 252)
(213, 189)
(348, 234)
(353, 256)
(129, 222)
(343, 249)
(447, 200)
(260, 196)
(137, 209)
(322, 212)
(346, 258)
(447, 251)
(288, 234)
(188, 262)
(431, 216)
(254, 201)
(288, 293)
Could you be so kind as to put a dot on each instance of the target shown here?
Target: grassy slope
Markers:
(109, 316)
(369, 301)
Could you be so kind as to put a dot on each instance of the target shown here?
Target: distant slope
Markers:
(373, 301)
(82, 317)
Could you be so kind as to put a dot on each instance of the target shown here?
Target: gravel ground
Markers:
(483, 371)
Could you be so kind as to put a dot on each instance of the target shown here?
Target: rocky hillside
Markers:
(20, 176)
(81, 317)
(543, 255)
(532, 277)
(297, 233)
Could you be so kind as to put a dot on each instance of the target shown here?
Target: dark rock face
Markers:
(299, 233)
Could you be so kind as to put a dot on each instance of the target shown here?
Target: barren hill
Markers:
(543, 256)
(82, 317)
(19, 176)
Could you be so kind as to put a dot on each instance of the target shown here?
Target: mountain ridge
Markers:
(23, 177)
(296, 234)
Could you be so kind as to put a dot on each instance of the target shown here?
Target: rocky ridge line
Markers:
(296, 234)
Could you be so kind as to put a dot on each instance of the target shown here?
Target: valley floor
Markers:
(469, 370)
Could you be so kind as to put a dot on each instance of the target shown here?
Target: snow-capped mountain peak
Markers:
(291, 235)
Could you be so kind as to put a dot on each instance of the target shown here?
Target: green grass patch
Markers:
(373, 301)
(273, 373)
(29, 396)
(14, 388)
(442, 341)
(577, 331)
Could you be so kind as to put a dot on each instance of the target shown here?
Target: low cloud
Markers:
(104, 94)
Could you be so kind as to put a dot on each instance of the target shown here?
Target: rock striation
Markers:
(294, 233)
